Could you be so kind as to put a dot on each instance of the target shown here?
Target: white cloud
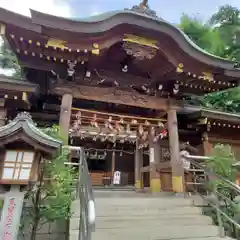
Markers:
(54, 7)
(95, 13)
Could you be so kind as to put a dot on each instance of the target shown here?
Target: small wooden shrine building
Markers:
(116, 83)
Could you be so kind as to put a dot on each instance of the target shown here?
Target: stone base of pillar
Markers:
(155, 185)
(177, 184)
(138, 185)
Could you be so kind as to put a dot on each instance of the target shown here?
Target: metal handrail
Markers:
(216, 203)
(192, 159)
(84, 192)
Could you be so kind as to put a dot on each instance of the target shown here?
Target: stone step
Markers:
(136, 203)
(145, 224)
(140, 210)
(103, 193)
(111, 208)
(149, 217)
(153, 212)
(74, 236)
(158, 233)
(114, 223)
(143, 201)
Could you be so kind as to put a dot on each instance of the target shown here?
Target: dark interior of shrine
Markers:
(102, 161)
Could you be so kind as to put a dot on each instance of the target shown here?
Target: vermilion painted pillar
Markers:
(176, 163)
(65, 116)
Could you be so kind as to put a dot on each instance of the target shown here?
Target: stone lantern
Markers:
(22, 147)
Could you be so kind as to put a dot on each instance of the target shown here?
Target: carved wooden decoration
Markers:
(138, 51)
(139, 47)
(113, 95)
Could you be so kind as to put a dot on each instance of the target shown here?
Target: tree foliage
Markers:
(202, 34)
(228, 100)
(51, 198)
(227, 22)
(219, 37)
(221, 163)
(8, 60)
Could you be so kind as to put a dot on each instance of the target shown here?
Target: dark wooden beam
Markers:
(39, 64)
(51, 107)
(114, 95)
(220, 116)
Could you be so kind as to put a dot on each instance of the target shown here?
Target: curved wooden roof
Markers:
(23, 128)
(108, 23)
(105, 22)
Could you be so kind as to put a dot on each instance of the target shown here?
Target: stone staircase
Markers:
(129, 215)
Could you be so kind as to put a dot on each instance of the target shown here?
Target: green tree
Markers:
(221, 163)
(227, 22)
(50, 199)
(202, 34)
(228, 100)
(217, 37)
(8, 60)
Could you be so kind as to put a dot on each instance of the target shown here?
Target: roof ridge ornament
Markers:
(23, 116)
(144, 8)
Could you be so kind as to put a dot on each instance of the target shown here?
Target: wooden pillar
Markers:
(207, 146)
(65, 116)
(154, 160)
(207, 150)
(138, 165)
(176, 164)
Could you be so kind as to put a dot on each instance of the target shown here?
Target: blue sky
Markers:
(170, 10)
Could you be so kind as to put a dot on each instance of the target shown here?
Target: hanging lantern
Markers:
(145, 136)
(134, 121)
(152, 131)
(155, 139)
(75, 125)
(110, 119)
(147, 123)
(128, 130)
(94, 121)
(140, 130)
(121, 121)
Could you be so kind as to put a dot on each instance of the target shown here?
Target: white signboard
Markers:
(116, 177)
(11, 215)
(151, 155)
